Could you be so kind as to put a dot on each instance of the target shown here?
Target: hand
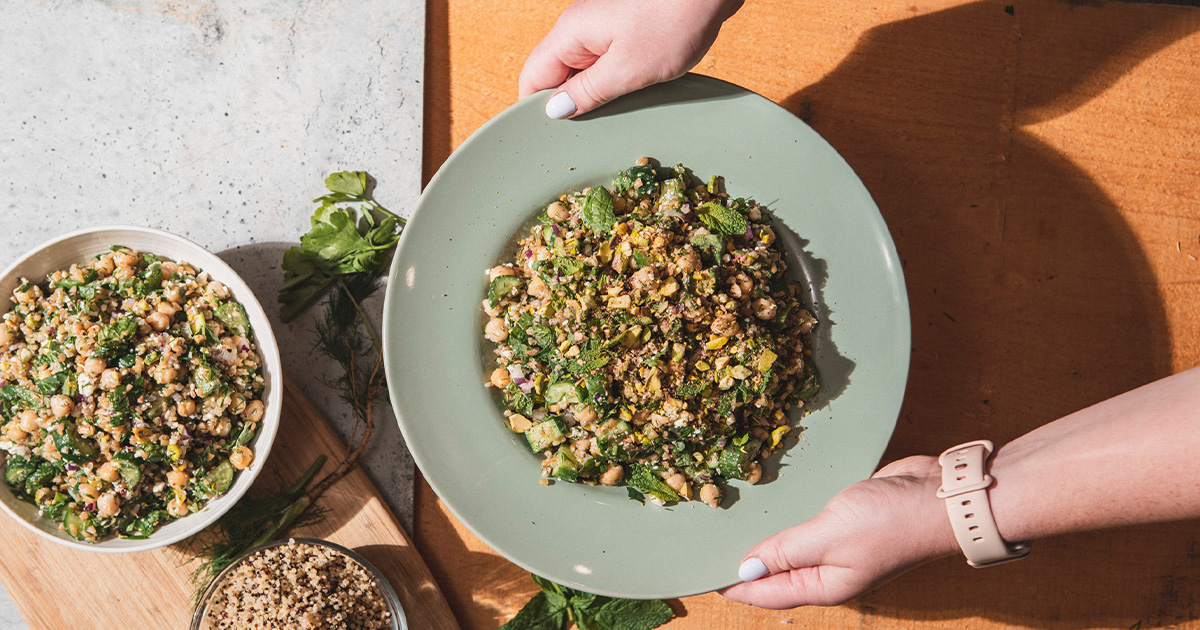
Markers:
(601, 49)
(868, 533)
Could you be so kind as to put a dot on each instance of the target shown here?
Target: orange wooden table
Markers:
(1039, 169)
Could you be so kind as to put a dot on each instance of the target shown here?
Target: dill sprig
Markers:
(255, 521)
(342, 258)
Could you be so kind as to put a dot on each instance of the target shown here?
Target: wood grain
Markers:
(1040, 174)
(59, 588)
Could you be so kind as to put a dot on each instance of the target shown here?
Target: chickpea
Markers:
(217, 289)
(711, 495)
(110, 379)
(500, 270)
(158, 321)
(221, 426)
(164, 374)
(14, 432)
(755, 213)
(173, 295)
(186, 407)
(500, 378)
(86, 429)
(61, 405)
(88, 493)
(177, 506)
(612, 475)
(166, 308)
(241, 458)
(6, 336)
(108, 504)
(765, 308)
(687, 263)
(94, 366)
(558, 211)
(726, 326)
(104, 265)
(254, 411)
(177, 478)
(538, 288)
(676, 481)
(644, 278)
(124, 258)
(496, 330)
(585, 414)
(108, 472)
(487, 308)
(28, 420)
(754, 475)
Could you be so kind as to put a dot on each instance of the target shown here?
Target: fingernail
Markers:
(560, 106)
(751, 570)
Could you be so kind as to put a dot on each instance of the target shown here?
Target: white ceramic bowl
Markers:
(79, 246)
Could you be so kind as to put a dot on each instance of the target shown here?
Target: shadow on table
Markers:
(1031, 297)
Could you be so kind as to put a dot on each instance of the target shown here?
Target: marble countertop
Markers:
(217, 121)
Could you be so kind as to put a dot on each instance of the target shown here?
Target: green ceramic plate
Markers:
(595, 538)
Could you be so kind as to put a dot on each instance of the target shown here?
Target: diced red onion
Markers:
(749, 233)
(91, 507)
(526, 387)
(72, 468)
(528, 253)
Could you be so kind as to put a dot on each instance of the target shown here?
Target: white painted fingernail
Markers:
(560, 106)
(751, 570)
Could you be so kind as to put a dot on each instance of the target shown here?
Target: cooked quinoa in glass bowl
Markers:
(135, 389)
(302, 583)
(649, 335)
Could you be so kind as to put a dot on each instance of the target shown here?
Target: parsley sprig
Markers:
(342, 258)
(556, 606)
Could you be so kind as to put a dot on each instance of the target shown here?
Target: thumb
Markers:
(784, 570)
(613, 74)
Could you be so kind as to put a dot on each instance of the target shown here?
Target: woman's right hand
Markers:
(868, 533)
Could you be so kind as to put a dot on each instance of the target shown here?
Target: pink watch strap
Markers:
(965, 484)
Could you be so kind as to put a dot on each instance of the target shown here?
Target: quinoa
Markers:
(299, 585)
(651, 335)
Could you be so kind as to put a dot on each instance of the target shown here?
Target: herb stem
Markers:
(363, 316)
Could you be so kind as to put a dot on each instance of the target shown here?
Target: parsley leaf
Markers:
(598, 210)
(568, 265)
(341, 241)
(636, 495)
(353, 183)
(691, 388)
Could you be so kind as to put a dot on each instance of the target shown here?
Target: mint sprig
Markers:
(555, 607)
(722, 220)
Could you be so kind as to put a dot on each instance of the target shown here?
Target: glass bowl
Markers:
(391, 601)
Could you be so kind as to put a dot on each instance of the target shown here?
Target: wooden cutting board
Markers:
(55, 587)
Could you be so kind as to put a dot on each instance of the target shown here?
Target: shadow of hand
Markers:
(1030, 295)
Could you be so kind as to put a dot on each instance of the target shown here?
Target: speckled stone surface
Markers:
(218, 121)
